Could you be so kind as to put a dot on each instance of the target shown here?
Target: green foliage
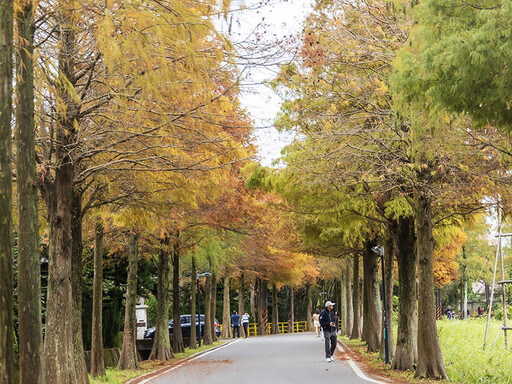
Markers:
(457, 59)
(151, 302)
(118, 340)
(16, 347)
(257, 180)
(114, 289)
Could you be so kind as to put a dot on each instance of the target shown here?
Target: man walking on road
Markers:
(235, 320)
(328, 324)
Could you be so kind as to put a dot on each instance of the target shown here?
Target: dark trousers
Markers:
(236, 328)
(246, 325)
(330, 343)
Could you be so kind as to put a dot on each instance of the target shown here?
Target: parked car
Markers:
(186, 325)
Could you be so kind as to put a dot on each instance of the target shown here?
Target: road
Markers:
(289, 358)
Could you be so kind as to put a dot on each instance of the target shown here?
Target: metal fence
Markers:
(284, 327)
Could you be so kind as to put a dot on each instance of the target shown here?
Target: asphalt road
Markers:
(297, 358)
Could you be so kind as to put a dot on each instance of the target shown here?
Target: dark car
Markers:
(186, 326)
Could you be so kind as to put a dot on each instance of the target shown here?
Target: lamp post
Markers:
(198, 301)
(379, 249)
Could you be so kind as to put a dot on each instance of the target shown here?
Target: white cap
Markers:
(327, 303)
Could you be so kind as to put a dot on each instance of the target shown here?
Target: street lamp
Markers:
(198, 301)
(379, 249)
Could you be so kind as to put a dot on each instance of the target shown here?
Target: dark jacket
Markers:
(235, 320)
(327, 317)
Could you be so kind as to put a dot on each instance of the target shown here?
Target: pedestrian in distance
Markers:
(316, 322)
(245, 323)
(328, 324)
(235, 321)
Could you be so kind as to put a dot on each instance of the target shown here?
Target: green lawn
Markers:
(115, 376)
(466, 361)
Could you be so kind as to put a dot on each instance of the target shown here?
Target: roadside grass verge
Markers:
(115, 376)
(374, 364)
(465, 359)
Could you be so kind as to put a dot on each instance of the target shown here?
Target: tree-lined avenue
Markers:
(290, 358)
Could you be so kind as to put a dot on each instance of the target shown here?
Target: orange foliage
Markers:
(445, 266)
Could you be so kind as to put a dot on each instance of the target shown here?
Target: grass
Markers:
(465, 359)
(114, 376)
(376, 364)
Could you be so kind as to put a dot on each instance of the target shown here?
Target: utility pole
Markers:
(465, 278)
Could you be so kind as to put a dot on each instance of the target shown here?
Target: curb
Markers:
(342, 347)
(145, 378)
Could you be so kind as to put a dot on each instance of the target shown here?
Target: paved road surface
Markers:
(297, 359)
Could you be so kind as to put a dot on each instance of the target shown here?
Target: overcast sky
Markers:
(265, 22)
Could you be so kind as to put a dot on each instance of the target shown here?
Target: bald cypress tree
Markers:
(6, 288)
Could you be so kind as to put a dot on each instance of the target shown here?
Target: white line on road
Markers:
(356, 369)
(214, 350)
(197, 356)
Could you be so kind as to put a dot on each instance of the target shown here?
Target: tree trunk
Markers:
(58, 348)
(372, 315)
(161, 349)
(339, 301)
(252, 303)
(430, 360)
(29, 268)
(461, 298)
(292, 309)
(6, 282)
(213, 312)
(76, 284)
(309, 308)
(356, 333)
(389, 270)
(241, 304)
(348, 295)
(128, 358)
(361, 316)
(275, 309)
(97, 357)
(207, 311)
(193, 309)
(177, 336)
(259, 307)
(404, 237)
(262, 306)
(342, 313)
(226, 315)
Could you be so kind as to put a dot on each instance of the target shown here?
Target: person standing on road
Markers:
(316, 322)
(235, 320)
(328, 324)
(245, 323)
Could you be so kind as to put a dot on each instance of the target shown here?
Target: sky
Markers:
(264, 22)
